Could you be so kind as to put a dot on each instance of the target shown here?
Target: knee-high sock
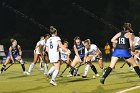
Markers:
(137, 70)
(23, 67)
(31, 67)
(107, 72)
(86, 69)
(51, 70)
(54, 75)
(94, 69)
(46, 68)
(3, 67)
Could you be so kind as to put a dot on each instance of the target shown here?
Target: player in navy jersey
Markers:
(124, 43)
(79, 50)
(14, 53)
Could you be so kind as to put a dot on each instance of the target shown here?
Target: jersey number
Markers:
(51, 45)
(121, 41)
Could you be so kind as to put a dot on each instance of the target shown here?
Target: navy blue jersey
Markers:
(15, 51)
(81, 50)
(123, 42)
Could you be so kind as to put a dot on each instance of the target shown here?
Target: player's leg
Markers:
(36, 56)
(4, 65)
(109, 69)
(133, 63)
(23, 66)
(89, 64)
(55, 73)
(40, 60)
(46, 64)
(73, 64)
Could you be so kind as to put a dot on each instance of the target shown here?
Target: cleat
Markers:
(26, 73)
(97, 75)
(70, 75)
(102, 80)
(53, 83)
(84, 76)
(41, 69)
(78, 74)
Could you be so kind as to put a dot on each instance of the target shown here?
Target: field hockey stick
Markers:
(8, 66)
(63, 71)
(137, 57)
(123, 64)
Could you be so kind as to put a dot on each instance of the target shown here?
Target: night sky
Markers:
(69, 20)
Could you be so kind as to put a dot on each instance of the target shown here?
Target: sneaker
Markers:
(97, 75)
(48, 76)
(45, 73)
(53, 82)
(41, 69)
(69, 75)
(78, 74)
(84, 76)
(102, 80)
(26, 73)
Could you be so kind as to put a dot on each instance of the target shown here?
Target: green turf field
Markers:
(13, 81)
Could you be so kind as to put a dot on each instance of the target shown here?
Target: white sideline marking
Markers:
(132, 88)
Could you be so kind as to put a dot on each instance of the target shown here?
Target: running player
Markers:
(38, 54)
(14, 53)
(79, 50)
(92, 52)
(123, 42)
(52, 45)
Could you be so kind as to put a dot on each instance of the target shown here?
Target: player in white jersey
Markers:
(65, 55)
(92, 52)
(136, 43)
(39, 53)
(52, 46)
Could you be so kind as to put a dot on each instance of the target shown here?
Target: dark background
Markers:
(68, 20)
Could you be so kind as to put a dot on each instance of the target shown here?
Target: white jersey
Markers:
(64, 54)
(92, 50)
(52, 44)
(136, 40)
(42, 43)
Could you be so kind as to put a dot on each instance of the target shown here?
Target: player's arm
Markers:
(114, 39)
(97, 53)
(68, 58)
(61, 45)
(131, 42)
(20, 51)
(11, 56)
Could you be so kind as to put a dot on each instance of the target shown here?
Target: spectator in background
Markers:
(107, 52)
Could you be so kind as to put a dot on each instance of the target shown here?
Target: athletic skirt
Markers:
(14, 55)
(121, 53)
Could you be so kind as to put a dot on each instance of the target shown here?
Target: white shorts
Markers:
(36, 51)
(53, 57)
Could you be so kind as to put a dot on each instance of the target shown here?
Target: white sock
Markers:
(46, 68)
(86, 69)
(31, 67)
(51, 70)
(54, 75)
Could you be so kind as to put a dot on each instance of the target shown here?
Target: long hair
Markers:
(127, 26)
(76, 38)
